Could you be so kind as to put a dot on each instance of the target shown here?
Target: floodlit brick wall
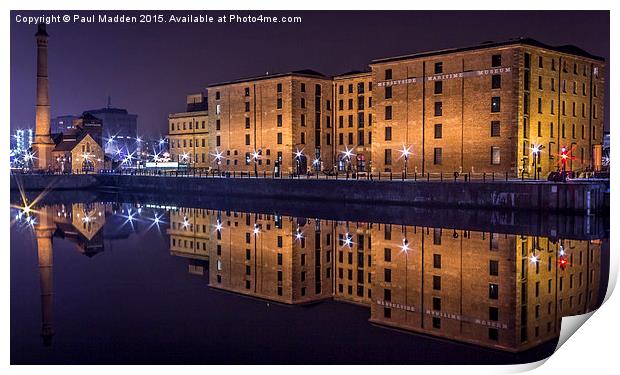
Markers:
(273, 116)
(188, 138)
(465, 83)
(353, 118)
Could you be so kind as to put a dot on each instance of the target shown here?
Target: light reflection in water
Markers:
(496, 290)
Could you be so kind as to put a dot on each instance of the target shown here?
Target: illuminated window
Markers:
(495, 155)
(495, 104)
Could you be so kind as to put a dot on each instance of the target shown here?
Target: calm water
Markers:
(147, 279)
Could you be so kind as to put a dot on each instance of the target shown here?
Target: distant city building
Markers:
(606, 149)
(22, 140)
(21, 143)
(188, 133)
(120, 129)
(79, 150)
(62, 124)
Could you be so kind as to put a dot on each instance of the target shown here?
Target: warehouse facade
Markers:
(518, 107)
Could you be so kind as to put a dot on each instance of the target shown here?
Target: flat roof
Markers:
(188, 114)
(353, 73)
(568, 49)
(299, 73)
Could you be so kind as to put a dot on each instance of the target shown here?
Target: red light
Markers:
(563, 263)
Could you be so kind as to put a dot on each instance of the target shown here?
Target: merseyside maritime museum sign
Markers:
(444, 77)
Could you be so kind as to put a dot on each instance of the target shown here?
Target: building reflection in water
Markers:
(80, 223)
(504, 291)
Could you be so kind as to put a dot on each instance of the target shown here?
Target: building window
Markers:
(438, 108)
(279, 103)
(495, 104)
(493, 291)
(493, 268)
(493, 334)
(303, 87)
(495, 128)
(303, 138)
(496, 60)
(388, 157)
(438, 87)
(387, 255)
(388, 74)
(438, 67)
(360, 119)
(493, 314)
(437, 303)
(217, 95)
(496, 81)
(303, 103)
(388, 92)
(388, 112)
(388, 133)
(247, 91)
(279, 138)
(279, 87)
(218, 141)
(387, 275)
(437, 156)
(436, 282)
(436, 260)
(438, 131)
(495, 155)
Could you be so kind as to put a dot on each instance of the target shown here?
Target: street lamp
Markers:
(348, 153)
(298, 155)
(404, 248)
(256, 155)
(317, 164)
(217, 157)
(536, 150)
(405, 152)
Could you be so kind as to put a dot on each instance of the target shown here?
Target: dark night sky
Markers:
(149, 68)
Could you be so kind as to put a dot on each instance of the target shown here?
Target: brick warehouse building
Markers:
(272, 121)
(353, 121)
(483, 107)
(188, 133)
(474, 109)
